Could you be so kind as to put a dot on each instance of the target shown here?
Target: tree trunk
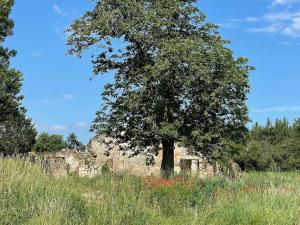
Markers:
(167, 164)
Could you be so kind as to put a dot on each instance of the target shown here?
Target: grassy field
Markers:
(31, 197)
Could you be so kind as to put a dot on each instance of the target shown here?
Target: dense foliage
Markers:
(275, 146)
(17, 134)
(54, 142)
(74, 144)
(174, 78)
(49, 143)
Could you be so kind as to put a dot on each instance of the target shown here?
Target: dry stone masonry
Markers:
(94, 160)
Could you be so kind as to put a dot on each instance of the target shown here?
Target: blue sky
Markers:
(60, 98)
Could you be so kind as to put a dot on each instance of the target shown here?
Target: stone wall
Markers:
(119, 163)
(91, 162)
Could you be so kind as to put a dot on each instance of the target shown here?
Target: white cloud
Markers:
(285, 23)
(46, 101)
(285, 15)
(284, 2)
(282, 19)
(234, 23)
(65, 97)
(58, 10)
(68, 97)
(235, 20)
(82, 124)
(58, 127)
(273, 28)
(228, 25)
(287, 43)
(279, 109)
(35, 54)
(252, 19)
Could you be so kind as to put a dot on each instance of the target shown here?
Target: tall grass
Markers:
(31, 197)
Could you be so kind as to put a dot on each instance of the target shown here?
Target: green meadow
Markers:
(31, 197)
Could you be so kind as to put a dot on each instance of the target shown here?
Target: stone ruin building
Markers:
(91, 162)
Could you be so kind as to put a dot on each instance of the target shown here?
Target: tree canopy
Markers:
(17, 134)
(175, 79)
(49, 143)
(10, 79)
(74, 144)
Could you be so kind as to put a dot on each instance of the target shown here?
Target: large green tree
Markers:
(175, 79)
(17, 134)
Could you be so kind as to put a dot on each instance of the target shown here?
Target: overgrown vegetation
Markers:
(275, 146)
(17, 133)
(28, 196)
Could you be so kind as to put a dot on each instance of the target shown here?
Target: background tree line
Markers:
(274, 146)
(55, 142)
